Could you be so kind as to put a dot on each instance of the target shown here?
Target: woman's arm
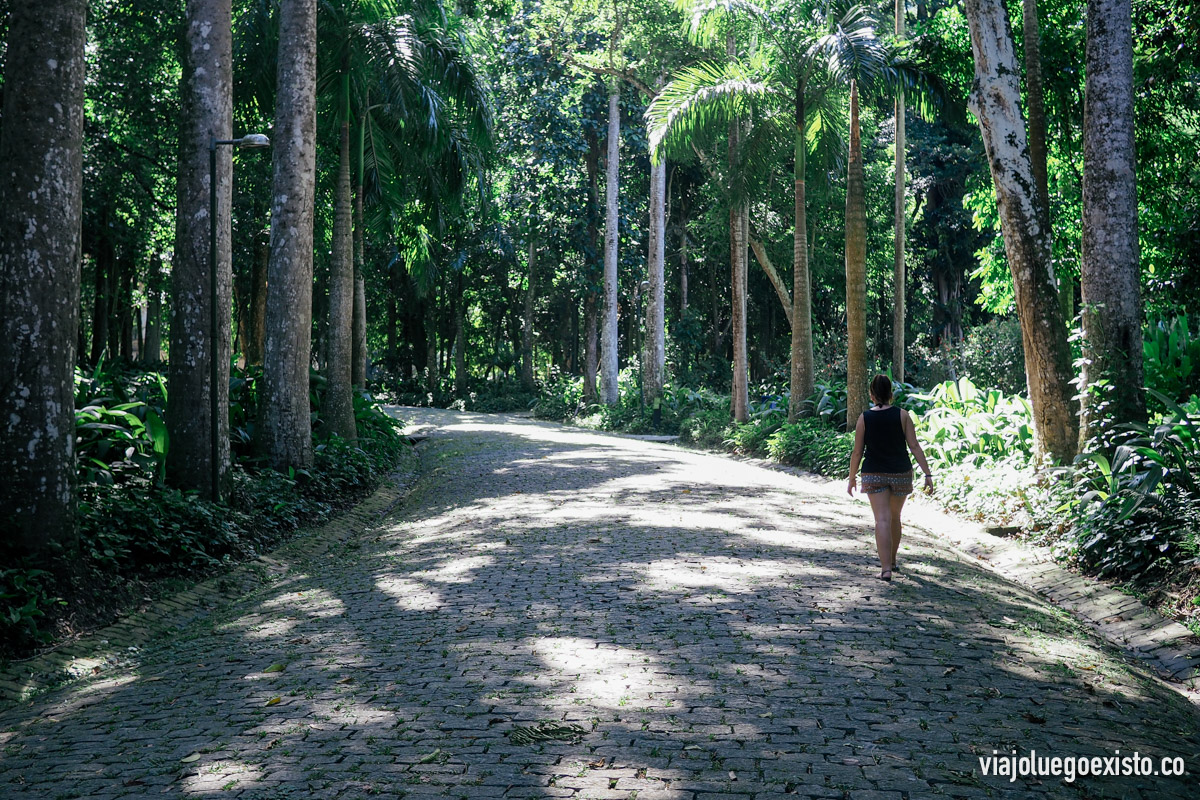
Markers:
(910, 434)
(856, 456)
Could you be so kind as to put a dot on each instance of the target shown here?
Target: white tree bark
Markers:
(898, 273)
(995, 101)
(1110, 279)
(609, 390)
(41, 179)
(206, 89)
(286, 430)
(655, 356)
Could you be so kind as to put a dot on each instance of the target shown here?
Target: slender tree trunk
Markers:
(802, 382)
(258, 304)
(591, 347)
(358, 375)
(610, 392)
(431, 342)
(460, 341)
(995, 101)
(393, 317)
(590, 304)
(286, 430)
(208, 113)
(898, 277)
(655, 356)
(104, 267)
(683, 255)
(1037, 109)
(1112, 305)
(527, 382)
(739, 401)
(856, 273)
(41, 144)
(125, 309)
(152, 352)
(337, 410)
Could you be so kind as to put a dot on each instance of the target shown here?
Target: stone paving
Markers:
(714, 629)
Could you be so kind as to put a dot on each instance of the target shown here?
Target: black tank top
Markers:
(886, 449)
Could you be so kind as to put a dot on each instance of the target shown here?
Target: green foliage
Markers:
(1172, 358)
(1138, 513)
(812, 445)
(705, 428)
(965, 424)
(26, 595)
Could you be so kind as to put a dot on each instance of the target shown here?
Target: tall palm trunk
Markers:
(258, 303)
(996, 103)
(856, 273)
(1112, 303)
(683, 254)
(286, 431)
(358, 366)
(527, 382)
(460, 340)
(152, 351)
(207, 114)
(654, 357)
(610, 391)
(899, 312)
(431, 342)
(590, 304)
(802, 381)
(739, 400)
(337, 410)
(41, 190)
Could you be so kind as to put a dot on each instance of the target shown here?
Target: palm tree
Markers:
(407, 80)
(855, 55)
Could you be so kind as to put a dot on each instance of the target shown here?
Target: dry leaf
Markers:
(190, 759)
(274, 701)
(949, 671)
(346, 680)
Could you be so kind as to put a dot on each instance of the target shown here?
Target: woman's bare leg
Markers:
(894, 507)
(881, 508)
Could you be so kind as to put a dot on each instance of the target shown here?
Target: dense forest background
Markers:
(589, 209)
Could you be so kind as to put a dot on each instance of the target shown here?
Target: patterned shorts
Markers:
(900, 483)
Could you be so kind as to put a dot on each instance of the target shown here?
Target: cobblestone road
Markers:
(713, 628)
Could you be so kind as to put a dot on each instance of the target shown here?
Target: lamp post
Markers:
(251, 141)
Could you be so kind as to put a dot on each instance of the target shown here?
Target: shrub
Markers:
(993, 355)
(705, 428)
(965, 424)
(812, 445)
(1171, 355)
(1138, 513)
(750, 438)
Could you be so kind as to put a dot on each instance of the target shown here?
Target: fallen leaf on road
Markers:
(190, 759)
(274, 701)
(949, 671)
(275, 668)
(430, 757)
(346, 680)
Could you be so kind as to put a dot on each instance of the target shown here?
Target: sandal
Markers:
(885, 575)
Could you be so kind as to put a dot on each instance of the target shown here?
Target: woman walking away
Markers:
(888, 435)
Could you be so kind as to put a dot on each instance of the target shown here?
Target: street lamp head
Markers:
(253, 141)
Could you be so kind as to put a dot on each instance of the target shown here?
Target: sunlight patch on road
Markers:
(707, 572)
(459, 570)
(409, 595)
(221, 777)
(599, 674)
(313, 602)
